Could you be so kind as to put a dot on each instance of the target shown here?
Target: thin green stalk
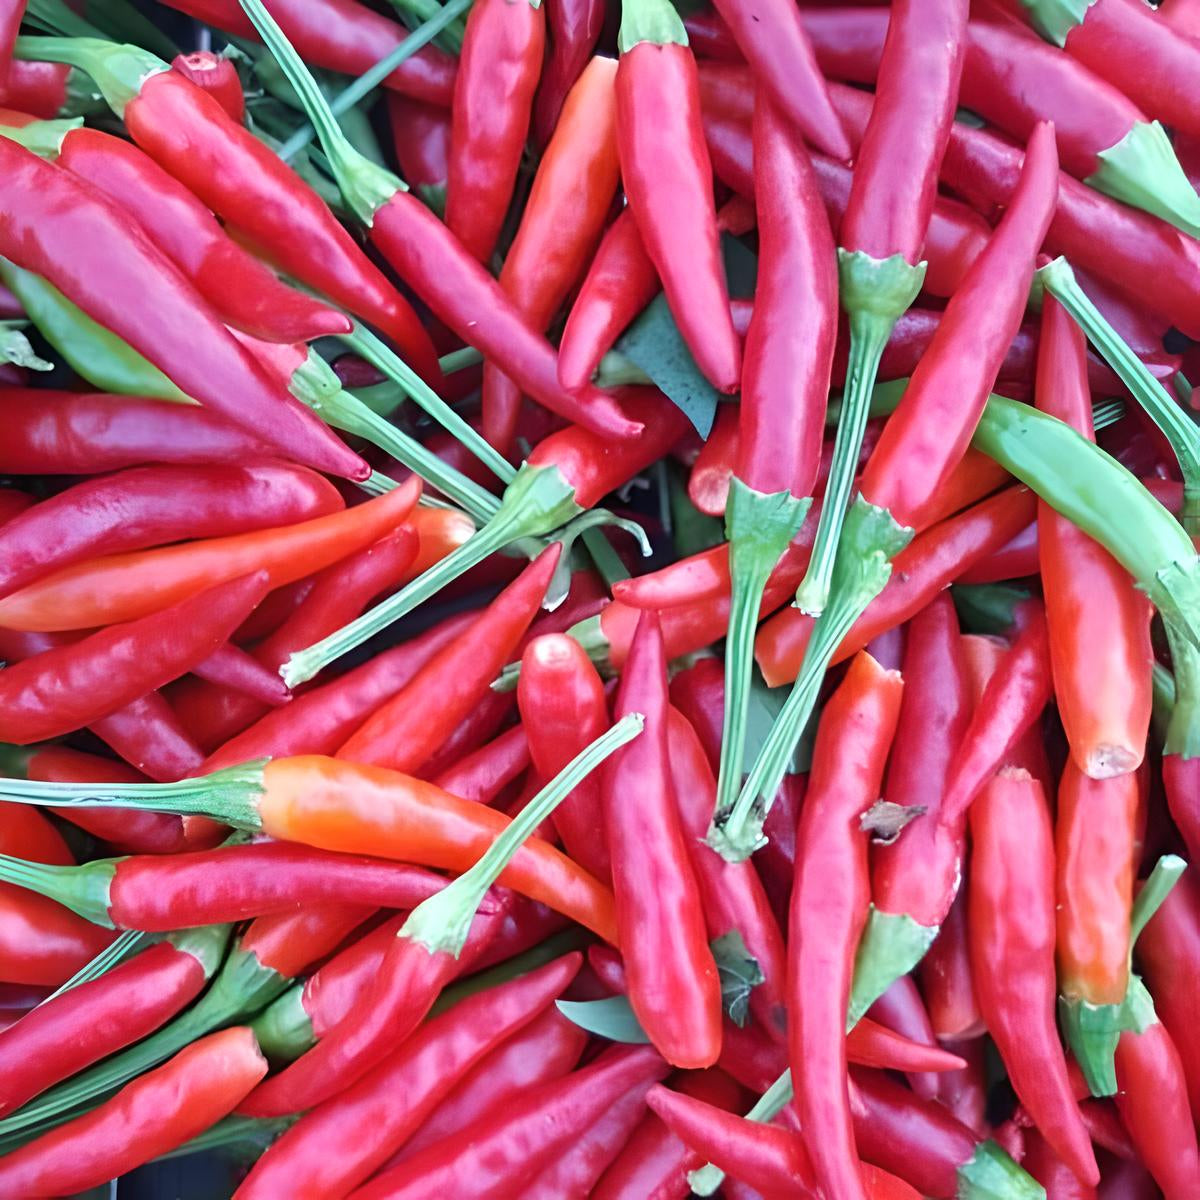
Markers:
(459, 360)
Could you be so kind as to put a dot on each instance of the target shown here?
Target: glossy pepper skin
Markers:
(127, 586)
(363, 1127)
(673, 985)
(41, 89)
(667, 176)
(148, 1117)
(148, 506)
(498, 71)
(215, 74)
(1099, 622)
(573, 28)
(65, 688)
(564, 216)
(118, 277)
(1011, 911)
(232, 280)
(829, 909)
(929, 431)
(421, 139)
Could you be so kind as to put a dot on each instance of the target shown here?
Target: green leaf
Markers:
(655, 344)
(739, 973)
(765, 704)
(612, 1019)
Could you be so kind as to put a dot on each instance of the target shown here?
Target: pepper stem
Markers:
(365, 343)
(442, 923)
(1183, 723)
(366, 186)
(759, 527)
(43, 138)
(876, 293)
(229, 796)
(1178, 428)
(870, 539)
(537, 501)
(284, 1029)
(1092, 1031)
(653, 21)
(890, 946)
(117, 70)
(83, 889)
(1153, 892)
(990, 1173)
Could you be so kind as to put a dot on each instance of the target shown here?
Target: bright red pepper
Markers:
(483, 775)
(149, 1117)
(574, 29)
(666, 173)
(902, 1009)
(216, 75)
(421, 139)
(42, 89)
(1012, 924)
(829, 909)
(948, 984)
(673, 985)
(568, 204)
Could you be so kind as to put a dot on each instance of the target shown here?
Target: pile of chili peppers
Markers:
(600, 599)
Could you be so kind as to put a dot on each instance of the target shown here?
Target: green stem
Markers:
(991, 1174)
(118, 71)
(252, 1134)
(653, 21)
(83, 889)
(537, 501)
(459, 360)
(1153, 892)
(1178, 428)
(410, 11)
(606, 560)
(113, 955)
(1183, 725)
(442, 922)
(59, 19)
(284, 1029)
(876, 293)
(438, 20)
(759, 527)
(362, 341)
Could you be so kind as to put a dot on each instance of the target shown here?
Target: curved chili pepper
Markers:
(666, 174)
(73, 1030)
(151, 506)
(1014, 80)
(568, 204)
(948, 985)
(1012, 918)
(404, 732)
(70, 686)
(498, 70)
(885, 227)
(563, 708)
(114, 261)
(902, 1010)
(1102, 684)
(150, 1116)
(422, 957)
(621, 281)
(363, 1127)
(421, 139)
(829, 909)
(159, 893)
(785, 382)
(507, 1149)
(216, 75)
(289, 943)
(482, 776)
(231, 667)
(1051, 1172)
(673, 985)
(128, 586)
(574, 29)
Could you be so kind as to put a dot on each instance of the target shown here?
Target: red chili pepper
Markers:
(119, 278)
(126, 832)
(216, 75)
(829, 909)
(290, 942)
(928, 433)
(964, 1092)
(574, 29)
(673, 985)
(404, 732)
(158, 893)
(563, 708)
(568, 204)
(1099, 622)
(150, 506)
(902, 1010)
(498, 70)
(621, 281)
(948, 984)
(65, 688)
(1051, 1172)
(71, 433)
(483, 775)
(11, 14)
(1012, 922)
(421, 139)
(149, 1117)
(42, 89)
(68, 1033)
(364, 1123)
(127, 586)
(229, 666)
(666, 173)
(342, 36)
(506, 1150)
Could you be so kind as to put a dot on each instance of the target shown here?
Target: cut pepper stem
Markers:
(443, 922)
(117, 70)
(876, 293)
(1153, 893)
(365, 343)
(1178, 428)
(759, 527)
(537, 501)
(870, 540)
